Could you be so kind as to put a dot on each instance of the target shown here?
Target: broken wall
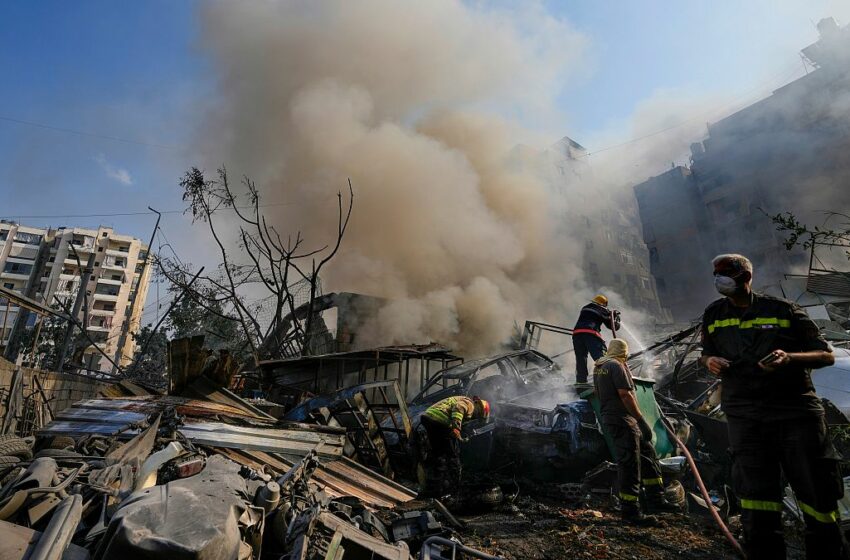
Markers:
(62, 390)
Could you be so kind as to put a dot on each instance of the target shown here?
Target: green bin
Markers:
(645, 395)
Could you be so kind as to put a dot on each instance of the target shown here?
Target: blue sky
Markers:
(132, 70)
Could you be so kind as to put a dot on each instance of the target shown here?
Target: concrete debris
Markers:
(208, 474)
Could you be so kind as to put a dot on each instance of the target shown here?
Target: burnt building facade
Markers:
(604, 219)
(789, 152)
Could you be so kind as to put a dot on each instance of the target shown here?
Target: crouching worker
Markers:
(443, 422)
(637, 464)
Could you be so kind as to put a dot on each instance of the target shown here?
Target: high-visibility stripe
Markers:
(437, 415)
(458, 415)
(761, 505)
(628, 497)
(823, 517)
(652, 481)
(749, 324)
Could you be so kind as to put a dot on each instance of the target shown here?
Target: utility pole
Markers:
(131, 307)
(78, 303)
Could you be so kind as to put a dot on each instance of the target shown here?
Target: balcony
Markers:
(68, 276)
(71, 261)
(109, 281)
(105, 297)
(113, 266)
(102, 312)
(14, 276)
(99, 328)
(81, 249)
(117, 253)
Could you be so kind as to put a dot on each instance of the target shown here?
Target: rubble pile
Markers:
(203, 473)
(173, 477)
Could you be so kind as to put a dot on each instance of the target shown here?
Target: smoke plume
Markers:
(403, 99)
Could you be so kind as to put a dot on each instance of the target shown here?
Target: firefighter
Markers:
(637, 463)
(763, 349)
(443, 423)
(587, 334)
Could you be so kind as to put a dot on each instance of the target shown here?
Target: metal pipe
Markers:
(57, 536)
(455, 547)
(131, 307)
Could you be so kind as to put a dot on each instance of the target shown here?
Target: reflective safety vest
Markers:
(451, 412)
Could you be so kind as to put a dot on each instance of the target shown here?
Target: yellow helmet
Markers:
(601, 300)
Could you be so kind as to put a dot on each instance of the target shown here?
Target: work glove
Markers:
(645, 429)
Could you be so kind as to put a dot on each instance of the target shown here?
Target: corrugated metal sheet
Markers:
(111, 416)
(341, 477)
(832, 284)
(150, 404)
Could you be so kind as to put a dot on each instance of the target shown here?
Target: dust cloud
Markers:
(403, 99)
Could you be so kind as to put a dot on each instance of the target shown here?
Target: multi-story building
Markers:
(48, 264)
(602, 218)
(785, 153)
(21, 252)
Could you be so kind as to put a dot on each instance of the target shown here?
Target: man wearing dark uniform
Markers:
(587, 333)
(637, 463)
(763, 348)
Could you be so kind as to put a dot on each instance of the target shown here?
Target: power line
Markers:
(124, 214)
(88, 134)
(746, 94)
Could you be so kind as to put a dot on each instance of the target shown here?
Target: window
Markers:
(100, 249)
(28, 238)
(653, 255)
(116, 277)
(104, 234)
(644, 282)
(4, 234)
(8, 285)
(17, 268)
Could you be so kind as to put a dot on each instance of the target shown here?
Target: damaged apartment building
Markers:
(49, 266)
(614, 257)
(785, 153)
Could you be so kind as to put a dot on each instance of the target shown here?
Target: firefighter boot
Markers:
(657, 502)
(630, 513)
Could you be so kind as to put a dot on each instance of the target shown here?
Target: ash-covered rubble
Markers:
(320, 458)
(164, 476)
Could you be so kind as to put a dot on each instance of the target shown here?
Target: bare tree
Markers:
(835, 230)
(274, 261)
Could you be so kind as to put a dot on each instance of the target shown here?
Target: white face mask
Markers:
(726, 285)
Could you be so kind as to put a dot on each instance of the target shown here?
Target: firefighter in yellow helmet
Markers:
(587, 333)
(443, 423)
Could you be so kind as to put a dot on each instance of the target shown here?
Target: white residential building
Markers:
(44, 266)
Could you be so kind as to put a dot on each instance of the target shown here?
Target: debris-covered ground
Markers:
(204, 473)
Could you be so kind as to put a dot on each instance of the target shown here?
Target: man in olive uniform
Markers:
(763, 348)
(637, 463)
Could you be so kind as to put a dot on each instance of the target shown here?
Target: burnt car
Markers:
(521, 377)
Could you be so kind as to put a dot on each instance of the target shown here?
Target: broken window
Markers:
(28, 238)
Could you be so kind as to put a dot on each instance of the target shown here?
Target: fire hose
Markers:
(716, 516)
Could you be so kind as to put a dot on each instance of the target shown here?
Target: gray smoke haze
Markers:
(408, 100)
(402, 98)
